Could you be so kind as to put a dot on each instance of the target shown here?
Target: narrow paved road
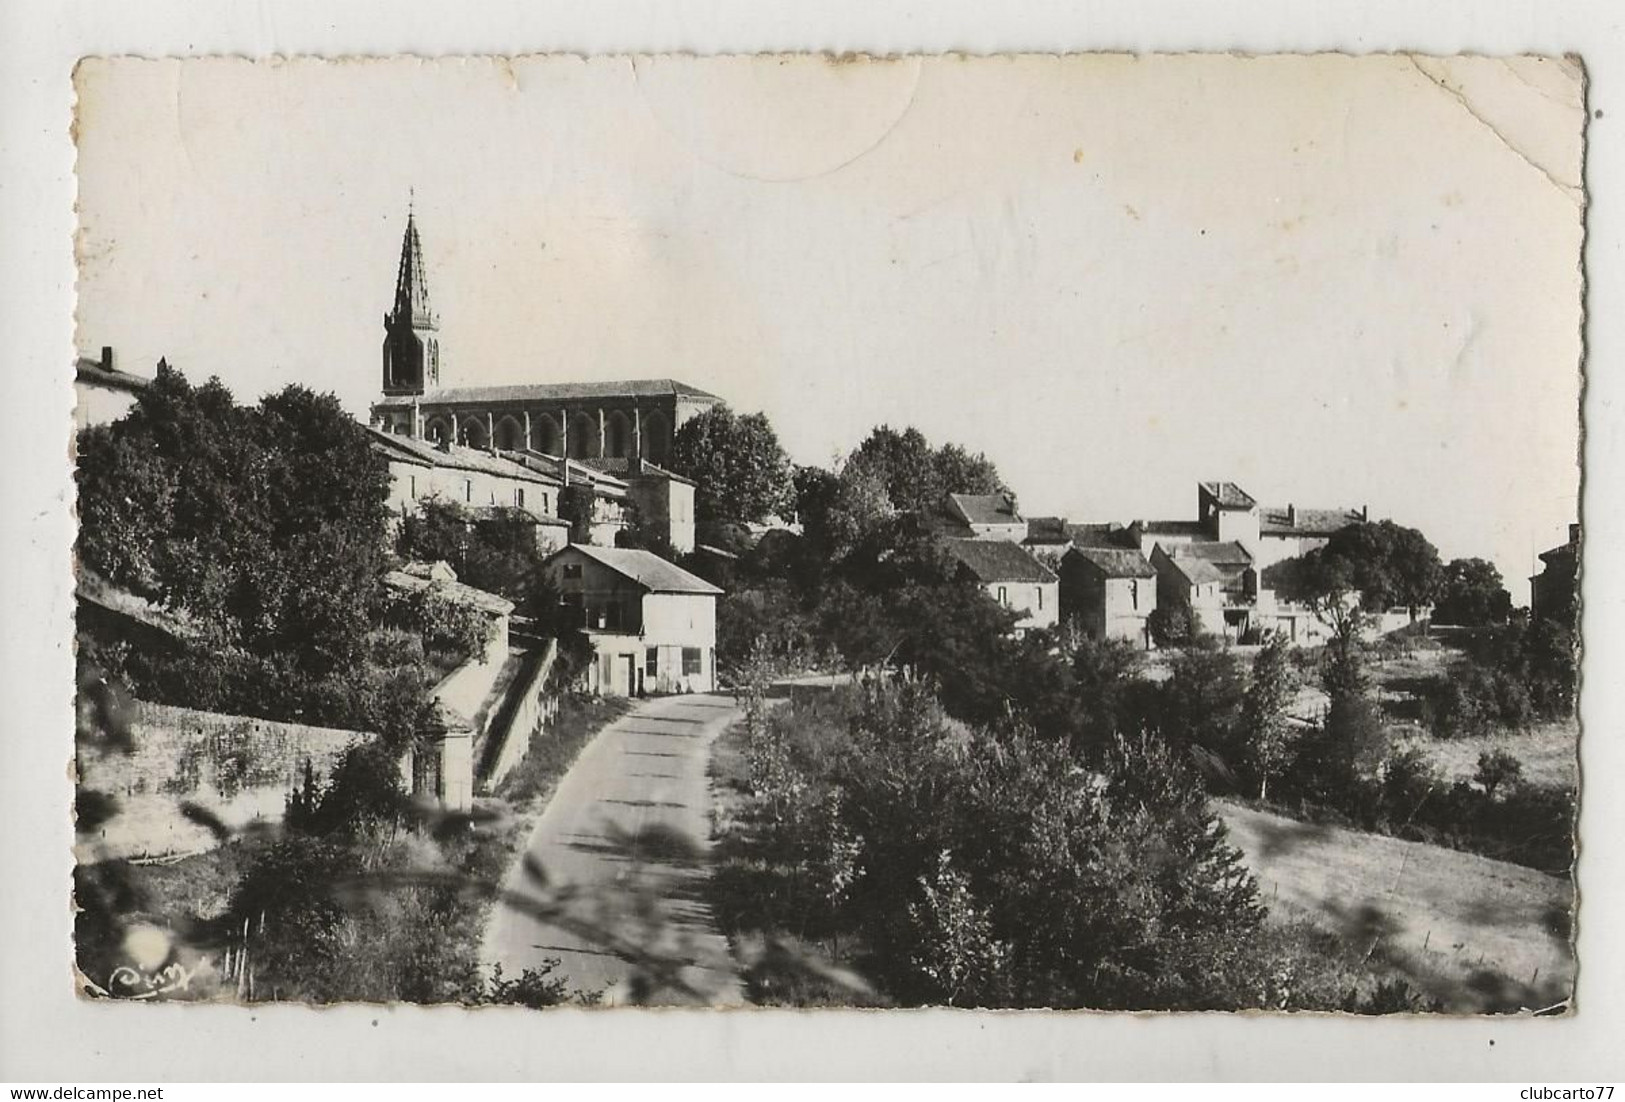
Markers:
(624, 845)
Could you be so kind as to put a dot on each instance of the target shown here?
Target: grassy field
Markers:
(1479, 934)
(1548, 753)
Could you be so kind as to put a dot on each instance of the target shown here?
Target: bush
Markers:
(1497, 768)
(1474, 700)
(983, 869)
(1170, 625)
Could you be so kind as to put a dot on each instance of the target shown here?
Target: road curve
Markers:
(623, 847)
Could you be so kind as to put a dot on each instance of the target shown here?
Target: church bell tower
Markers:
(411, 336)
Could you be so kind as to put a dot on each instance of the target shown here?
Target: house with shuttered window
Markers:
(652, 624)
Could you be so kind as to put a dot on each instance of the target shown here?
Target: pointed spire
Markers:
(411, 286)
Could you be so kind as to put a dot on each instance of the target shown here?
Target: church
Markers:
(616, 427)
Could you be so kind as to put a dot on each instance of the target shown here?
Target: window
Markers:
(651, 662)
(519, 497)
(1040, 591)
(412, 484)
(468, 490)
(691, 661)
(572, 570)
(1134, 593)
(1004, 597)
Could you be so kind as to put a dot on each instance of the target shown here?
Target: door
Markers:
(629, 667)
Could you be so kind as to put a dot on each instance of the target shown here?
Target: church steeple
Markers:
(411, 339)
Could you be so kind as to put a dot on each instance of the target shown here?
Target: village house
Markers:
(1216, 582)
(651, 624)
(1552, 592)
(1011, 577)
(480, 482)
(1228, 514)
(1109, 592)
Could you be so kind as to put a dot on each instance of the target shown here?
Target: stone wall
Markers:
(508, 738)
(236, 768)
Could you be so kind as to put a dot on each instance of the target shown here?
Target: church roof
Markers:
(554, 392)
(411, 285)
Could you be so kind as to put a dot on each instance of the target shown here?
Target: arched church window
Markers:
(544, 434)
(617, 436)
(510, 434)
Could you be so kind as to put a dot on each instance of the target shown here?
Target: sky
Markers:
(1332, 280)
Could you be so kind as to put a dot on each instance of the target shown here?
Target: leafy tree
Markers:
(263, 524)
(1381, 564)
(1200, 706)
(497, 553)
(1495, 769)
(576, 505)
(1472, 594)
(741, 472)
(914, 475)
(1263, 712)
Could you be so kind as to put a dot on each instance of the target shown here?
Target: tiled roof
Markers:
(1229, 553)
(1116, 562)
(1047, 530)
(1110, 534)
(553, 392)
(1207, 561)
(1286, 520)
(456, 591)
(646, 568)
(455, 457)
(1173, 527)
(1229, 495)
(998, 561)
(95, 373)
(652, 471)
(489, 512)
(984, 508)
(555, 466)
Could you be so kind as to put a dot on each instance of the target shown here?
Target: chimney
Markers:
(1291, 515)
(1365, 513)
(107, 357)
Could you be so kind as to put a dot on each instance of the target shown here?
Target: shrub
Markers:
(1495, 769)
(1170, 625)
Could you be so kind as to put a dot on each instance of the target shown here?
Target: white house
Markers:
(652, 624)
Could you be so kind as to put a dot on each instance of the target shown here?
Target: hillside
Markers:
(1478, 933)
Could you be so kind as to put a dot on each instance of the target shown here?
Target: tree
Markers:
(264, 524)
(1497, 768)
(1370, 566)
(741, 473)
(1200, 706)
(1472, 594)
(914, 475)
(1263, 712)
